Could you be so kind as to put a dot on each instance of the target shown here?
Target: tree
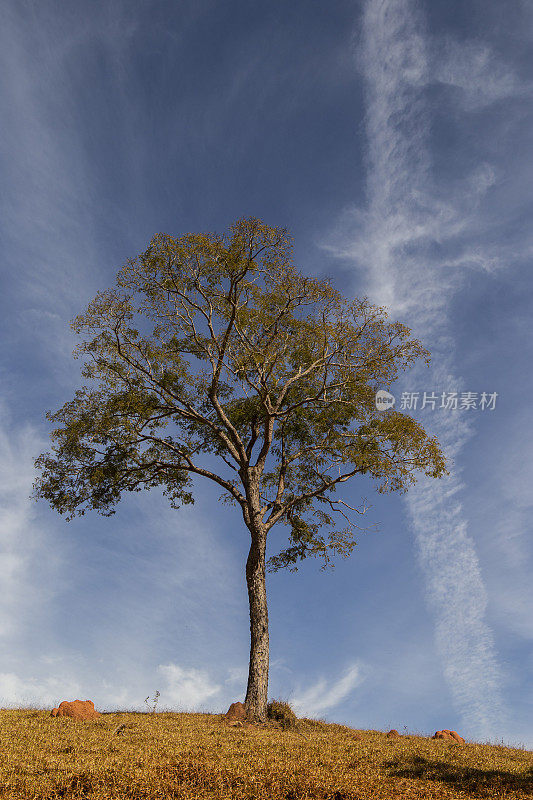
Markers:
(203, 348)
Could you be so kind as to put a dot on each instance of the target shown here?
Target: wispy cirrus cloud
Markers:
(23, 595)
(473, 69)
(323, 696)
(413, 241)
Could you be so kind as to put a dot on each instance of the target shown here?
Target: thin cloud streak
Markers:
(473, 69)
(392, 238)
(398, 127)
(321, 697)
(46, 208)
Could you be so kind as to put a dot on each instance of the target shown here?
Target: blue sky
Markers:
(393, 139)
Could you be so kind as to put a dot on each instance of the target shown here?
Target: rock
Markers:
(451, 736)
(393, 734)
(77, 709)
(236, 714)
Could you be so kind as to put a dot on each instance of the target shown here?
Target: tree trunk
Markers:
(256, 692)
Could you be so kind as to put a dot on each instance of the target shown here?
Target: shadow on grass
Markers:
(477, 782)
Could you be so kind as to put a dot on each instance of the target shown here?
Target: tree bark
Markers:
(256, 692)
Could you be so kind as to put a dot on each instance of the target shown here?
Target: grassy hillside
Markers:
(190, 756)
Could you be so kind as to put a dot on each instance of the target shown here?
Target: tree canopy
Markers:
(217, 345)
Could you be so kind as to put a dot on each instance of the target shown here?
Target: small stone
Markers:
(393, 734)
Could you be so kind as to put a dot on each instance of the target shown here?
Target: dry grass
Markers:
(188, 756)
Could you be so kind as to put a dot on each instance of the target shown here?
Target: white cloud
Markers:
(187, 689)
(474, 69)
(322, 697)
(391, 241)
(510, 507)
(21, 539)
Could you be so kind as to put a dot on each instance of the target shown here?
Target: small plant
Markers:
(155, 701)
(405, 729)
(282, 713)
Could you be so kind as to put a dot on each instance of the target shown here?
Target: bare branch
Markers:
(276, 515)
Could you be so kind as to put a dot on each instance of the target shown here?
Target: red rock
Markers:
(451, 736)
(236, 714)
(392, 734)
(77, 709)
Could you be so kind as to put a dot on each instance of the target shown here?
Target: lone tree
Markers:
(223, 361)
